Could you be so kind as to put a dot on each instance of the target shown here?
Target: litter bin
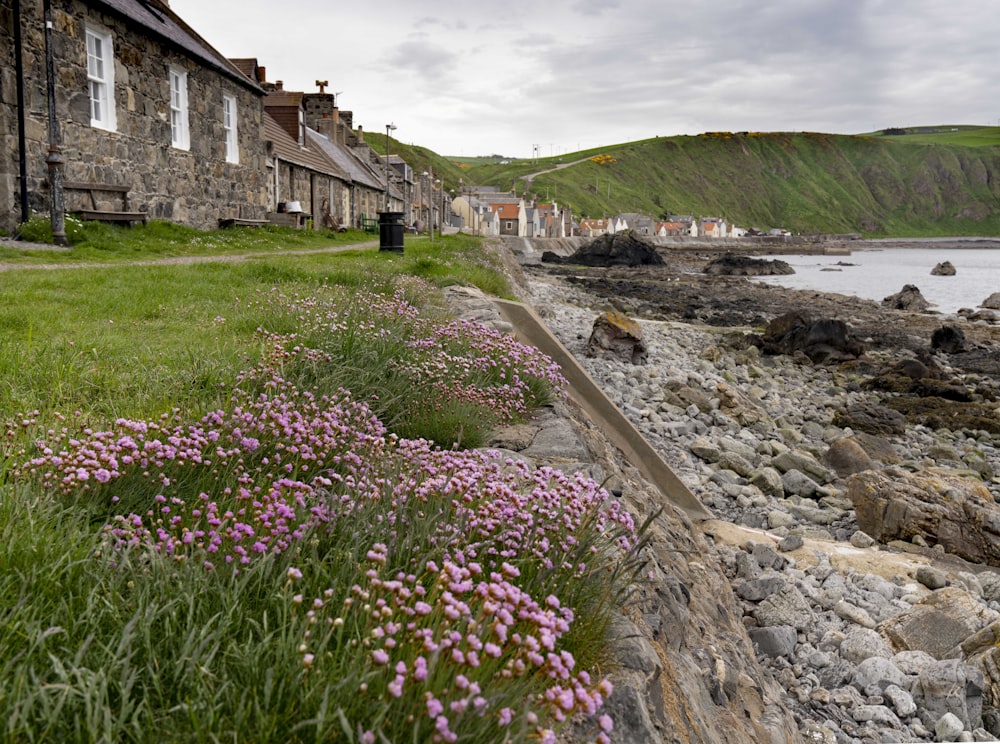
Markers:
(390, 231)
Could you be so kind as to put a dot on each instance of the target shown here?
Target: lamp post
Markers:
(388, 128)
(426, 184)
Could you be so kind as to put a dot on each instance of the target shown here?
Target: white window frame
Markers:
(229, 126)
(180, 132)
(101, 78)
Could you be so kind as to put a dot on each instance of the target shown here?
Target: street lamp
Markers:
(427, 178)
(388, 128)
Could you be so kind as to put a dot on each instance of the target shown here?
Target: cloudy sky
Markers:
(476, 78)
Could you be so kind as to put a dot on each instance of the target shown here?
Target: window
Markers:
(179, 134)
(101, 79)
(229, 126)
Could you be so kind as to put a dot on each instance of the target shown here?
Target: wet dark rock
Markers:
(824, 340)
(908, 298)
(733, 265)
(872, 419)
(940, 413)
(620, 249)
(945, 268)
(992, 302)
(949, 339)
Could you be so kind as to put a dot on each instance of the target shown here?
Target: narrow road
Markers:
(528, 178)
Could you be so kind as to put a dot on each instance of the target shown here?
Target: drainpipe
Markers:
(22, 148)
(57, 208)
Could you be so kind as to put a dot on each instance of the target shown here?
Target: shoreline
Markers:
(731, 421)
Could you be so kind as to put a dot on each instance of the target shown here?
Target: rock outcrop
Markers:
(735, 265)
(823, 340)
(940, 508)
(620, 249)
(945, 268)
(908, 298)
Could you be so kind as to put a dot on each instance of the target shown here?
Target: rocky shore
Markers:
(855, 494)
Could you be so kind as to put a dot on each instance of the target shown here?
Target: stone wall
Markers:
(195, 187)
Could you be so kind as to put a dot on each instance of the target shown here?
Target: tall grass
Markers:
(233, 523)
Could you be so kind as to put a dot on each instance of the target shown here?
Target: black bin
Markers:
(390, 231)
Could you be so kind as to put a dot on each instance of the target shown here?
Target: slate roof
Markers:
(289, 150)
(345, 161)
(158, 20)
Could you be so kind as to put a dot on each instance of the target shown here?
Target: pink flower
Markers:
(379, 656)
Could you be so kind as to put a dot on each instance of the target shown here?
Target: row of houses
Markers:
(118, 108)
(673, 226)
(488, 211)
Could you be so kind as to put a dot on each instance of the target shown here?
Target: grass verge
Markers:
(236, 503)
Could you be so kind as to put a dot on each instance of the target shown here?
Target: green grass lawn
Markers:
(236, 503)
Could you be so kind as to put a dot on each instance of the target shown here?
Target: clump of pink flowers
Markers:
(459, 650)
(457, 619)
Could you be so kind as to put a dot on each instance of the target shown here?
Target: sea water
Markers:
(875, 274)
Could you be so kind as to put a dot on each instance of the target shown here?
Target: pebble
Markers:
(759, 463)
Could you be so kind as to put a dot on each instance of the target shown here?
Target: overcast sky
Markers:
(476, 78)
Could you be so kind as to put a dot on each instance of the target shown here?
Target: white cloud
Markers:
(479, 78)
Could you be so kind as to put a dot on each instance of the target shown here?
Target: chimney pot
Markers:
(279, 84)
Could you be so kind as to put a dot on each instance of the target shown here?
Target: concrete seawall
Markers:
(602, 411)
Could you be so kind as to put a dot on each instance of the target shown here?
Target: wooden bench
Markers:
(125, 215)
(241, 222)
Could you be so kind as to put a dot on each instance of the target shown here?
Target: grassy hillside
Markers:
(940, 182)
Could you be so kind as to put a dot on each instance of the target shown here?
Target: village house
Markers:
(551, 221)
(593, 228)
(512, 217)
(306, 187)
(330, 171)
(149, 121)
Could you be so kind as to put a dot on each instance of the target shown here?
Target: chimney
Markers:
(319, 108)
(279, 84)
(261, 73)
(361, 134)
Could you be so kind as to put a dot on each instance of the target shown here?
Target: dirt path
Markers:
(234, 257)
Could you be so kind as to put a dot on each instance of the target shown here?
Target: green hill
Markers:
(923, 181)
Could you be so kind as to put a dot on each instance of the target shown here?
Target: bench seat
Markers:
(103, 216)
(241, 222)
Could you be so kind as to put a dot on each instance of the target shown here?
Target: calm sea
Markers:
(876, 274)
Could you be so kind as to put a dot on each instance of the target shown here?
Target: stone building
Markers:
(320, 161)
(142, 104)
(374, 188)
